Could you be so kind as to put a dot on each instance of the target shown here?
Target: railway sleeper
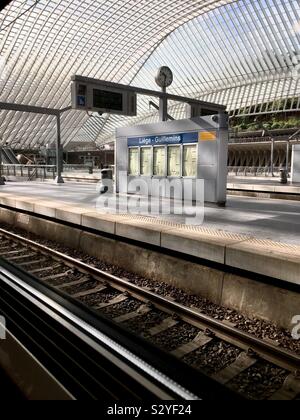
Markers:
(242, 363)
(119, 299)
(200, 341)
(290, 389)
(142, 310)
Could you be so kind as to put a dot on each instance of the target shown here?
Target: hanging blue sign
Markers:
(182, 138)
(81, 100)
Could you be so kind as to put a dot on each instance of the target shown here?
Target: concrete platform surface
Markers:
(260, 180)
(277, 220)
(268, 185)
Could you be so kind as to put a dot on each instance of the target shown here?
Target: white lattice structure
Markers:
(244, 54)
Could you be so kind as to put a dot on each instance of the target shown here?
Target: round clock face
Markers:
(164, 77)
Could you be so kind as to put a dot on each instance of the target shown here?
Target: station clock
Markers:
(164, 77)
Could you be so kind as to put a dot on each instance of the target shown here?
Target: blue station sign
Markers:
(181, 138)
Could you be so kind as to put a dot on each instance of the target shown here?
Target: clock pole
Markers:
(163, 106)
(164, 79)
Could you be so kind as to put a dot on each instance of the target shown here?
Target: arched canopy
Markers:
(244, 54)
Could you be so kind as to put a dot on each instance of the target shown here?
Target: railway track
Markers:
(254, 367)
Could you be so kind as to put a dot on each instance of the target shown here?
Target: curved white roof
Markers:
(238, 53)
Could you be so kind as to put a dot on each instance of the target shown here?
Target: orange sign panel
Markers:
(208, 136)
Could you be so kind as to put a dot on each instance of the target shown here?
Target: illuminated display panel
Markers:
(133, 161)
(107, 100)
(159, 161)
(146, 161)
(190, 161)
(174, 160)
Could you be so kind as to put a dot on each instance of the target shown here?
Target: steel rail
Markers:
(266, 350)
(160, 385)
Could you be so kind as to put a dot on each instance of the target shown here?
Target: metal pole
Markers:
(1, 177)
(272, 157)
(59, 157)
(163, 106)
(151, 103)
(288, 157)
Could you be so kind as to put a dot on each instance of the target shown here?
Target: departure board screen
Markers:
(159, 161)
(190, 161)
(146, 161)
(174, 160)
(133, 161)
(107, 100)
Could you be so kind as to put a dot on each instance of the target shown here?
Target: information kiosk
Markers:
(194, 149)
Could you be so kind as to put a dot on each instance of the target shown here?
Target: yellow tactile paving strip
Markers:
(274, 246)
(190, 228)
(220, 234)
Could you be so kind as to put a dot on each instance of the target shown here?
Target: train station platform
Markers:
(263, 188)
(260, 187)
(245, 256)
(275, 220)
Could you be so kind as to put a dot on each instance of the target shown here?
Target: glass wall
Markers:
(189, 161)
(151, 161)
(146, 161)
(174, 161)
(133, 166)
(159, 161)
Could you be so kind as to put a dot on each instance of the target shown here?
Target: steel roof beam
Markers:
(4, 106)
(148, 92)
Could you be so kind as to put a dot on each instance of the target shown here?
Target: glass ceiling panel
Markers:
(238, 53)
(244, 55)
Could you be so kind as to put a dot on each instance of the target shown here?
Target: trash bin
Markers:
(106, 174)
(106, 181)
(283, 176)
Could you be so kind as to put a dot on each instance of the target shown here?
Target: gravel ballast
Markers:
(258, 328)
